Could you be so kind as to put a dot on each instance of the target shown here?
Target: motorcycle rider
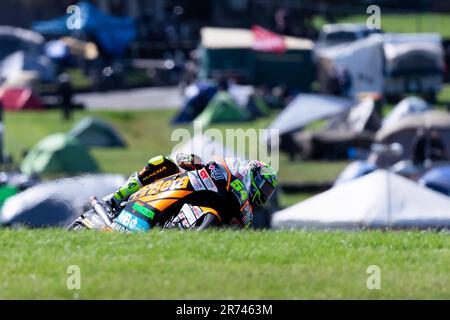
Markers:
(259, 178)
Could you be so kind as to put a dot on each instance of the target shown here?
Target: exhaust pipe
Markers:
(100, 210)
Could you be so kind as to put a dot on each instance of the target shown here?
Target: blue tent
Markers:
(197, 98)
(438, 179)
(113, 34)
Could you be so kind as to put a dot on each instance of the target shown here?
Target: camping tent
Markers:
(406, 130)
(438, 179)
(343, 135)
(58, 153)
(93, 132)
(388, 64)
(14, 65)
(417, 58)
(407, 106)
(20, 99)
(14, 39)
(257, 106)
(197, 97)
(222, 108)
(362, 59)
(231, 52)
(113, 34)
(21, 50)
(378, 200)
(308, 108)
(362, 116)
(302, 111)
(55, 203)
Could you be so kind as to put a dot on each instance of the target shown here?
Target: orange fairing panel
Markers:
(176, 194)
(162, 204)
(211, 210)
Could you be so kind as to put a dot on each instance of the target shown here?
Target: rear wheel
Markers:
(76, 225)
(209, 221)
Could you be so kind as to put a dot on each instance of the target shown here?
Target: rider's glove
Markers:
(189, 161)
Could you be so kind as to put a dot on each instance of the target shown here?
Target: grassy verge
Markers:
(224, 265)
(404, 23)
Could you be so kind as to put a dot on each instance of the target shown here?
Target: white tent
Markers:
(380, 199)
(14, 65)
(57, 202)
(363, 59)
(396, 46)
(220, 38)
(407, 106)
(307, 108)
(357, 118)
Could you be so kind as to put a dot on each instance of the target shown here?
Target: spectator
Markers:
(66, 92)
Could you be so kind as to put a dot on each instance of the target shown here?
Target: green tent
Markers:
(93, 132)
(222, 108)
(257, 107)
(58, 153)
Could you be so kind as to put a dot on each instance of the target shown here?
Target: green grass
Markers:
(224, 265)
(408, 23)
(147, 134)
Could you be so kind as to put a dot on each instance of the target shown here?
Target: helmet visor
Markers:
(265, 189)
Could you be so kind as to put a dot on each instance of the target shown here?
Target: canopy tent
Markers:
(93, 132)
(231, 52)
(58, 153)
(409, 130)
(307, 108)
(361, 59)
(407, 106)
(15, 99)
(378, 200)
(56, 203)
(113, 34)
(222, 108)
(354, 170)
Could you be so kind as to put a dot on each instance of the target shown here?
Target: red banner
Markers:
(267, 41)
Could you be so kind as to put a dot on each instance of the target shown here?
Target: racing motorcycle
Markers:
(198, 199)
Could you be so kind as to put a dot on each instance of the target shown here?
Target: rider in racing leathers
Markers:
(259, 178)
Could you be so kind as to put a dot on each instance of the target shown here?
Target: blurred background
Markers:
(95, 98)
